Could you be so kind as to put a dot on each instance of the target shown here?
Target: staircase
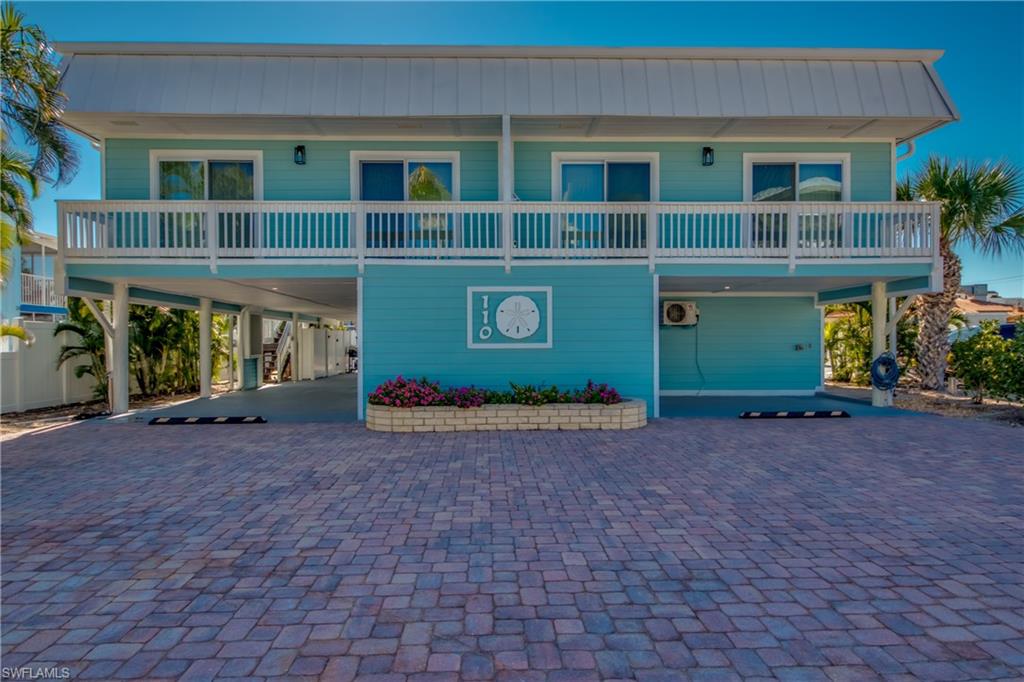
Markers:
(277, 364)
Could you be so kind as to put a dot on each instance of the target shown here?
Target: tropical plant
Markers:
(424, 185)
(163, 347)
(15, 175)
(985, 364)
(17, 332)
(91, 345)
(981, 208)
(848, 342)
(32, 101)
(8, 237)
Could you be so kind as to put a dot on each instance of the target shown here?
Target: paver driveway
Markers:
(828, 549)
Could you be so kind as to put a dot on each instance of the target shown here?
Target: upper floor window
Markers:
(590, 177)
(405, 176)
(200, 175)
(796, 177)
(37, 264)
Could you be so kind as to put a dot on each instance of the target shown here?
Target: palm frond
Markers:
(982, 203)
(32, 99)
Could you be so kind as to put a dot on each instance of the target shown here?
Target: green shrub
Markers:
(528, 394)
(986, 364)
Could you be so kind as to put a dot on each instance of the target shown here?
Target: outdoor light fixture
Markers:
(707, 156)
(300, 155)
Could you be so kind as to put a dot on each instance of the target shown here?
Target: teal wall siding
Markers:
(324, 177)
(684, 179)
(326, 173)
(414, 323)
(744, 344)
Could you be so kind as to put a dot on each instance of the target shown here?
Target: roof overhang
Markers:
(160, 89)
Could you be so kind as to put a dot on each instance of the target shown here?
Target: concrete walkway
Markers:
(324, 400)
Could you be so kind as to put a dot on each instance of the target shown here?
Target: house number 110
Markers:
(485, 330)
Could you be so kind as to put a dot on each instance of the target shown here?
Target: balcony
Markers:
(497, 232)
(37, 290)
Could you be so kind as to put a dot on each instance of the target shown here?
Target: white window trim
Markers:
(558, 158)
(205, 155)
(357, 157)
(750, 159)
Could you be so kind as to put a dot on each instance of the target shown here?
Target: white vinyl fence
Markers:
(322, 352)
(29, 377)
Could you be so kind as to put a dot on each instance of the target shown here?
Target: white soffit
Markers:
(756, 92)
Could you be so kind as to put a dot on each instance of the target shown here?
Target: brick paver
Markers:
(692, 549)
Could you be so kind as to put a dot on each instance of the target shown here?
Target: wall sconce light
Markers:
(300, 155)
(707, 156)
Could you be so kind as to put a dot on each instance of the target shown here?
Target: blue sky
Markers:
(983, 67)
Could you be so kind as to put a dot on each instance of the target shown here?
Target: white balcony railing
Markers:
(39, 290)
(361, 231)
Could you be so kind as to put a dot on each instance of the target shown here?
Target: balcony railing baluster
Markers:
(502, 232)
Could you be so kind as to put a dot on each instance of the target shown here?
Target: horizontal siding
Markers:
(414, 323)
(744, 344)
(326, 173)
(324, 177)
(683, 178)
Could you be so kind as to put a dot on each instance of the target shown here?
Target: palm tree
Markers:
(91, 345)
(15, 174)
(32, 101)
(981, 208)
(17, 332)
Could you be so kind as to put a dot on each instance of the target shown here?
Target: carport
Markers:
(313, 306)
(330, 399)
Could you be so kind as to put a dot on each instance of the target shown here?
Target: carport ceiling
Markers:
(325, 297)
(736, 285)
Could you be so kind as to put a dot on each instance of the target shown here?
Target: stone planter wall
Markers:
(630, 414)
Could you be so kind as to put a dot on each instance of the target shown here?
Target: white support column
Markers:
(506, 158)
(205, 357)
(295, 346)
(879, 398)
(656, 370)
(118, 362)
(232, 353)
(360, 355)
(892, 322)
(507, 188)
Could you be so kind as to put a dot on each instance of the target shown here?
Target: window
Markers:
(37, 264)
(180, 175)
(616, 181)
(406, 180)
(796, 177)
(808, 177)
(413, 177)
(588, 177)
(198, 175)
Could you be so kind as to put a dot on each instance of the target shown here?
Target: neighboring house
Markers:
(489, 214)
(30, 376)
(29, 291)
(976, 311)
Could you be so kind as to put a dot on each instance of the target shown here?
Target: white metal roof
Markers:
(862, 93)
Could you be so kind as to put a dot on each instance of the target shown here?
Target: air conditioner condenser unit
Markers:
(679, 313)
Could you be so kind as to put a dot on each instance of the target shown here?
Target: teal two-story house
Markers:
(671, 221)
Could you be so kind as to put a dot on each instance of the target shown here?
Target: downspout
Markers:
(911, 148)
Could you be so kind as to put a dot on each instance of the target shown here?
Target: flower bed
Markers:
(421, 405)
